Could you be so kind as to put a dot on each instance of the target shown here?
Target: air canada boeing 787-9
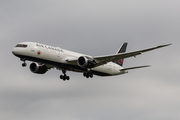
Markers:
(45, 57)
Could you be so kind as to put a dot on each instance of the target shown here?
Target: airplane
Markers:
(45, 57)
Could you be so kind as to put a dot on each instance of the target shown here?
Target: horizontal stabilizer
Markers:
(134, 67)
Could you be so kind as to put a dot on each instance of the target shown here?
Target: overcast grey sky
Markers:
(95, 27)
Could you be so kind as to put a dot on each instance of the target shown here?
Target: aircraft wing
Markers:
(100, 60)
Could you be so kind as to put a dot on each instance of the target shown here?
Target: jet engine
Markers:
(86, 62)
(39, 69)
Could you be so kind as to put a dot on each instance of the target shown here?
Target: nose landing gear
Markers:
(24, 64)
(24, 60)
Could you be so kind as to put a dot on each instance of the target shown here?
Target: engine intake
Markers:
(39, 69)
(86, 62)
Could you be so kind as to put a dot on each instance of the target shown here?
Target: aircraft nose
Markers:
(14, 51)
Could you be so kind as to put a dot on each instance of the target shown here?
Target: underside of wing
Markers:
(124, 69)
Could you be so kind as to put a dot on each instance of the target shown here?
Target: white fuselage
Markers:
(59, 58)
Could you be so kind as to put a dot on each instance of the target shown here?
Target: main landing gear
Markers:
(64, 77)
(24, 64)
(88, 74)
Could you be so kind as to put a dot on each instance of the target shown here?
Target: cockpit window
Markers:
(21, 45)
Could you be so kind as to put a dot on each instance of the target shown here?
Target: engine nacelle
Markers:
(39, 69)
(86, 62)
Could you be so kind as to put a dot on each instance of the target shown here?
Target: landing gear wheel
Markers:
(61, 77)
(88, 74)
(64, 77)
(24, 64)
(91, 75)
(67, 78)
(84, 74)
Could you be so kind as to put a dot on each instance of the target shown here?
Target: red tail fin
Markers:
(122, 49)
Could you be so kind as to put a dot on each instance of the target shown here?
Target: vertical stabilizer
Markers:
(122, 49)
